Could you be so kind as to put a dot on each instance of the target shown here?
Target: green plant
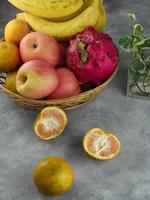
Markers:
(137, 44)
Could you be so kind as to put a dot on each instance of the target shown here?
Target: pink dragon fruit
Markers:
(92, 56)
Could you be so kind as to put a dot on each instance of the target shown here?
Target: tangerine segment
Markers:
(50, 123)
(101, 145)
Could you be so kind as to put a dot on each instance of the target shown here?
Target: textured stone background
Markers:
(125, 178)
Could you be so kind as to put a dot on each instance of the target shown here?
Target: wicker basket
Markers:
(68, 103)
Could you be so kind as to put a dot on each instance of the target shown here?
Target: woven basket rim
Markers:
(87, 94)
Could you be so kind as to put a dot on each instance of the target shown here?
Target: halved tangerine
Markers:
(100, 144)
(50, 123)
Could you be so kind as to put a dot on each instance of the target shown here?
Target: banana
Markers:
(51, 9)
(62, 19)
(102, 20)
(66, 29)
(20, 16)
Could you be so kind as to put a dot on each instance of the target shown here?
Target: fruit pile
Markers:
(49, 51)
(55, 47)
(35, 62)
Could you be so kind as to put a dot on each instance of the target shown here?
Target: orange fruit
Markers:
(15, 30)
(101, 145)
(10, 82)
(50, 123)
(53, 176)
(9, 57)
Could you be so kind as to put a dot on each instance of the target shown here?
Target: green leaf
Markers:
(132, 69)
(146, 44)
(138, 65)
(138, 40)
(138, 30)
(147, 59)
(126, 43)
(148, 76)
(131, 16)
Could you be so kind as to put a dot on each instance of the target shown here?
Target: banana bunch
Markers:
(51, 9)
(62, 18)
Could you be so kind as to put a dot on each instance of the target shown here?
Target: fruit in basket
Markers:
(63, 47)
(50, 123)
(68, 86)
(64, 30)
(100, 25)
(10, 82)
(39, 46)
(36, 79)
(92, 56)
(49, 9)
(100, 144)
(9, 57)
(15, 30)
(53, 176)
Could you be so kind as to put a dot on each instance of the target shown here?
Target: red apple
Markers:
(36, 79)
(68, 86)
(39, 46)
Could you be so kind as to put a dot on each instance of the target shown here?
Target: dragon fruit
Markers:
(92, 56)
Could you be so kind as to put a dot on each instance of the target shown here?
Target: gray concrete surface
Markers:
(125, 178)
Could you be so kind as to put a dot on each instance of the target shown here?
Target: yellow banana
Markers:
(62, 19)
(20, 16)
(99, 25)
(49, 8)
(66, 29)
(102, 20)
(73, 15)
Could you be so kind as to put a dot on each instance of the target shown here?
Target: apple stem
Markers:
(34, 46)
